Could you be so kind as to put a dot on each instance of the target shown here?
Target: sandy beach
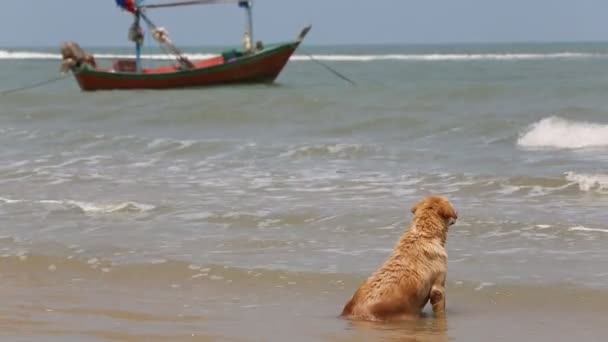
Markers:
(180, 302)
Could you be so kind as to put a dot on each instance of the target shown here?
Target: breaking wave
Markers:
(555, 132)
(28, 55)
(341, 151)
(452, 57)
(96, 208)
(585, 229)
(589, 182)
(87, 207)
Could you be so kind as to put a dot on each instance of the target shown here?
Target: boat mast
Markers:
(139, 42)
(137, 45)
(248, 5)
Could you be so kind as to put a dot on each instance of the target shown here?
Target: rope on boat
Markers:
(332, 70)
(34, 85)
(162, 36)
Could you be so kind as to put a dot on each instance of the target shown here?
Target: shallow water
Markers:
(254, 212)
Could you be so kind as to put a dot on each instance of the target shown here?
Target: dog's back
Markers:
(399, 289)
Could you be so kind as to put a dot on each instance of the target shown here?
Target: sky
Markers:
(101, 23)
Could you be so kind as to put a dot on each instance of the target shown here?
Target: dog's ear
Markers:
(416, 206)
(447, 211)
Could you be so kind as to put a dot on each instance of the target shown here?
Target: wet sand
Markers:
(69, 301)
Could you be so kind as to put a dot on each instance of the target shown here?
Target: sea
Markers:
(252, 213)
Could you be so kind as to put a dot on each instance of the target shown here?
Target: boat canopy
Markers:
(133, 5)
(160, 34)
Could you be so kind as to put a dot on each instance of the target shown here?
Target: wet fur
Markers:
(415, 271)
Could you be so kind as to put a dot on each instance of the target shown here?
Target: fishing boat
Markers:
(252, 63)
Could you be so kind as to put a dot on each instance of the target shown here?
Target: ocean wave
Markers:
(589, 182)
(9, 201)
(32, 55)
(452, 57)
(165, 145)
(87, 207)
(25, 55)
(340, 150)
(123, 207)
(162, 271)
(585, 229)
(556, 132)
(570, 183)
(567, 184)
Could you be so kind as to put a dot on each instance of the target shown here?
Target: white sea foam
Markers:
(484, 285)
(94, 208)
(450, 57)
(26, 55)
(585, 229)
(89, 207)
(589, 182)
(9, 201)
(171, 143)
(555, 132)
(342, 150)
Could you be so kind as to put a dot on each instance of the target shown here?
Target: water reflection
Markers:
(424, 329)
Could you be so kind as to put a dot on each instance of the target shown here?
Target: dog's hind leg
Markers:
(437, 297)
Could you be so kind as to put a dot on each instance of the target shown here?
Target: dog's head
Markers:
(437, 205)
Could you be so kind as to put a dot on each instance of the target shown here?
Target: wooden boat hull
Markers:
(260, 67)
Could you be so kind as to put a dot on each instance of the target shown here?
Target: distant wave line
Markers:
(34, 55)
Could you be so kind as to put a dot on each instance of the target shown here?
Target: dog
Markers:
(414, 273)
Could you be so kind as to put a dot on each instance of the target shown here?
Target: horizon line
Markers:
(346, 44)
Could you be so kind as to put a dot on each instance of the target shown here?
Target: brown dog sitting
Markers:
(414, 273)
